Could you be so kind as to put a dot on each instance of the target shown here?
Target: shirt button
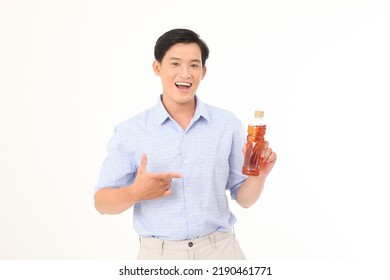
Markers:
(187, 188)
(185, 161)
(190, 244)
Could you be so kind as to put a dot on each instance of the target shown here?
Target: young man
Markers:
(175, 161)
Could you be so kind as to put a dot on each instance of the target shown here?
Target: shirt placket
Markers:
(188, 194)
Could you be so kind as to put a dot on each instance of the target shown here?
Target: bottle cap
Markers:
(259, 114)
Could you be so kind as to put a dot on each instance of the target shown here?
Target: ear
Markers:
(156, 67)
(204, 70)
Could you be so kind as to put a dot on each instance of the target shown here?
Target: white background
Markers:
(71, 70)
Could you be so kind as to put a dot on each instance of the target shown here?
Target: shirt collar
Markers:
(201, 111)
(162, 114)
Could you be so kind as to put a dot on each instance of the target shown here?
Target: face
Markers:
(181, 71)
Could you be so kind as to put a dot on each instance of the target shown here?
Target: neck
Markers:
(181, 113)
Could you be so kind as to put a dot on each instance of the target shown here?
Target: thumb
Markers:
(143, 163)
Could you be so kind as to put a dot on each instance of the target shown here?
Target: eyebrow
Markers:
(192, 60)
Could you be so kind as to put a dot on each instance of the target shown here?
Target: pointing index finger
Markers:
(174, 175)
(169, 176)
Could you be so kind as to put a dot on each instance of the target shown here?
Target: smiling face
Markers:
(181, 71)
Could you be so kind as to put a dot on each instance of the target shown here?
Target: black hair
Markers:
(175, 36)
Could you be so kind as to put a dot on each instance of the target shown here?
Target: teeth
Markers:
(183, 84)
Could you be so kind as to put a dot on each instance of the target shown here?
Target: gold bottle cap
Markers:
(259, 114)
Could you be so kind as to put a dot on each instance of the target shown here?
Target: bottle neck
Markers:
(258, 121)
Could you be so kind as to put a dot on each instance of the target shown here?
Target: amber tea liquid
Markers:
(255, 144)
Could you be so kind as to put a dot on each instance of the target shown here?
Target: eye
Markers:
(175, 64)
(195, 65)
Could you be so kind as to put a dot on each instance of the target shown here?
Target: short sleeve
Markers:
(236, 159)
(119, 167)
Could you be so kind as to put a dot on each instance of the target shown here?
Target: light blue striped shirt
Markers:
(208, 154)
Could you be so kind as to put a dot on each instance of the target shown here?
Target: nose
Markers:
(185, 73)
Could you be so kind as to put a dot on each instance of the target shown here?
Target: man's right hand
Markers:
(149, 185)
(110, 200)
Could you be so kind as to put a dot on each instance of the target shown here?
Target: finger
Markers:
(166, 181)
(175, 175)
(167, 192)
(143, 163)
(265, 147)
(166, 176)
(267, 154)
(272, 158)
(169, 176)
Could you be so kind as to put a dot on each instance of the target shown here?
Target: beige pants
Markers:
(215, 246)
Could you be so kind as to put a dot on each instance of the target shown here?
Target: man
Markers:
(175, 161)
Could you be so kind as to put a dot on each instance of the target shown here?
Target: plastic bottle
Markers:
(254, 145)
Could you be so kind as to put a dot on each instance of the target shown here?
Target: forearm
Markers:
(250, 191)
(114, 200)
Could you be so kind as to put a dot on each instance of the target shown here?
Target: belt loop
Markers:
(212, 240)
(162, 247)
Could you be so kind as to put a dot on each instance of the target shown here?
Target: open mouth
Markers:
(183, 85)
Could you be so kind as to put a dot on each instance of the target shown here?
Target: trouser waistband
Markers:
(209, 239)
